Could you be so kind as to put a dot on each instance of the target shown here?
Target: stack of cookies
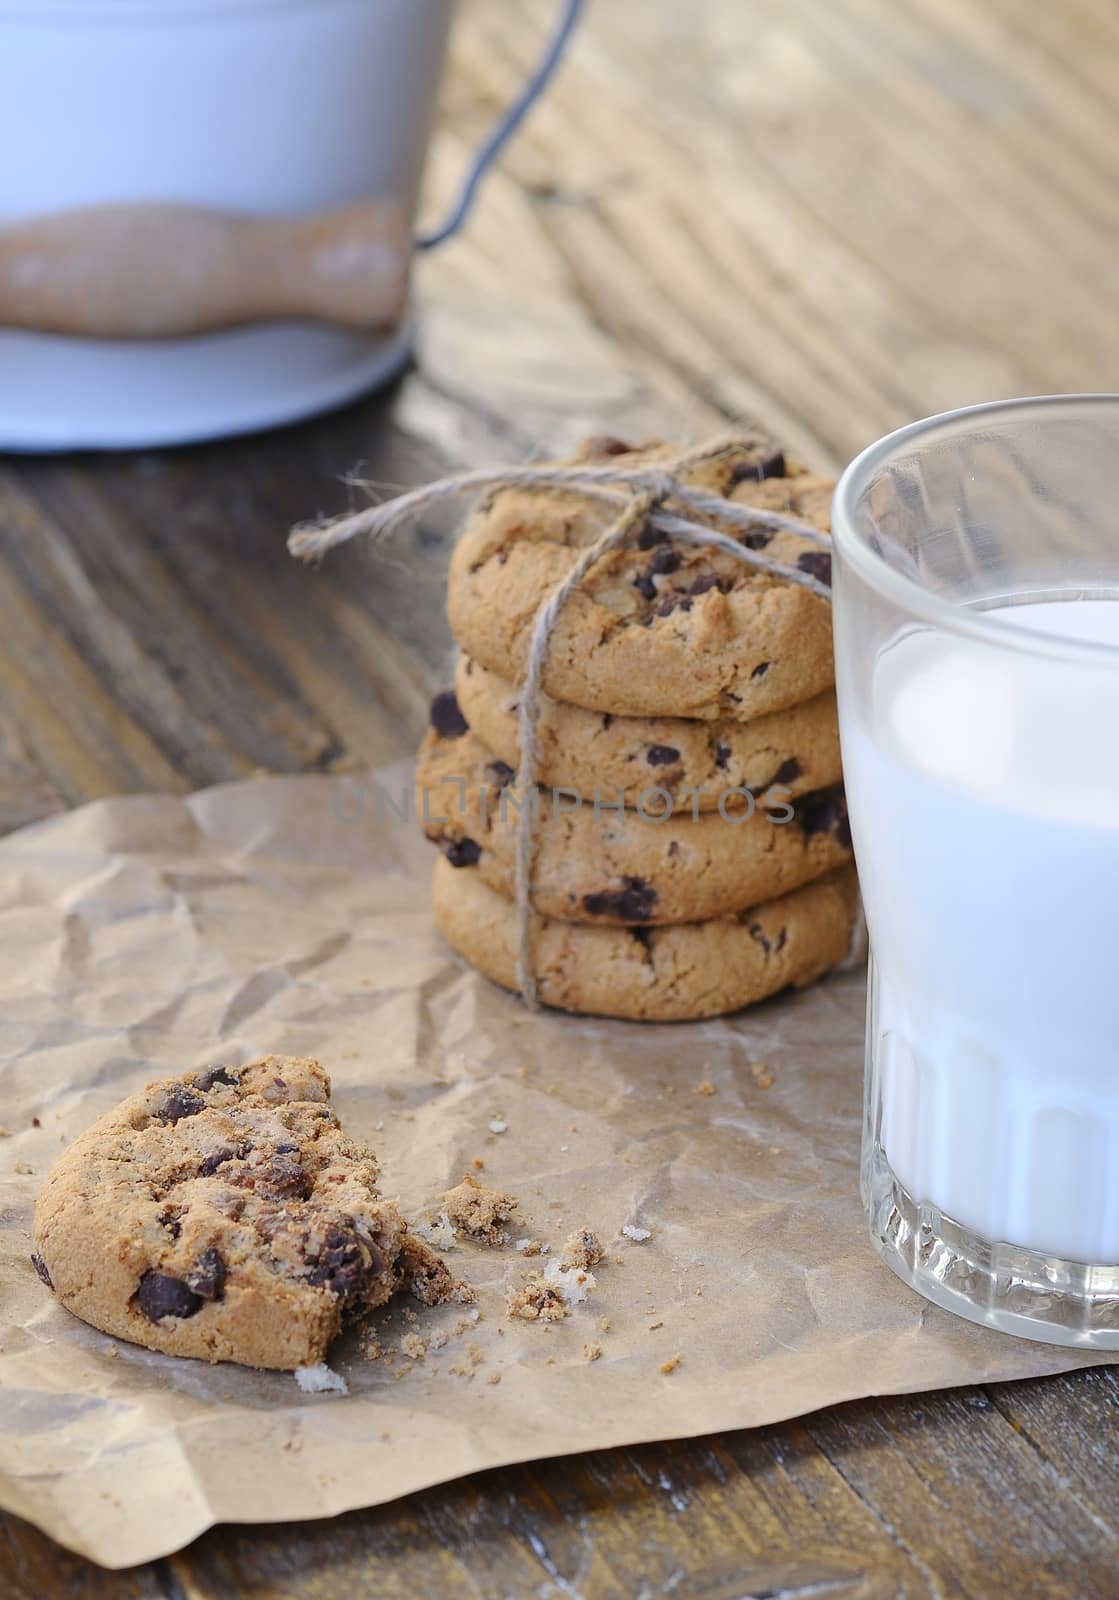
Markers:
(690, 844)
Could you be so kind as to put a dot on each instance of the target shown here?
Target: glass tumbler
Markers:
(977, 656)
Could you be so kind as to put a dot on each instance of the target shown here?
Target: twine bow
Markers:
(638, 495)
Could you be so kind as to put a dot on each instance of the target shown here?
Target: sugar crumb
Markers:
(498, 1125)
(638, 1235)
(438, 1231)
(320, 1379)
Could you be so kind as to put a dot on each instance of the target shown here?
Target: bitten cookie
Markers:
(700, 969)
(612, 866)
(226, 1215)
(656, 629)
(585, 750)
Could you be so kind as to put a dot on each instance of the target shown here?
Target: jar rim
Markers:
(924, 605)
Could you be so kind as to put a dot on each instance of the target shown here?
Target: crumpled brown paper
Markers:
(143, 936)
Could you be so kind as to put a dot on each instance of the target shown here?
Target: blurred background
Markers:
(827, 217)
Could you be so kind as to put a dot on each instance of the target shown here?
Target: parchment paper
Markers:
(143, 936)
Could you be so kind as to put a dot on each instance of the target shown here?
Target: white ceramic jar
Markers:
(276, 107)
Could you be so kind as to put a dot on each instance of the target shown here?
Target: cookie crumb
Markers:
(494, 1377)
(474, 1209)
(591, 1352)
(638, 1235)
(529, 1247)
(35, 1123)
(413, 1347)
(478, 1164)
(320, 1379)
(538, 1300)
(428, 1277)
(24, 1169)
(371, 1347)
(761, 1075)
(5, 1133)
(582, 1249)
(705, 1088)
(653, 1326)
(604, 1324)
(671, 1364)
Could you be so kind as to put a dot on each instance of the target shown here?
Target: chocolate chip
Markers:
(645, 586)
(212, 1075)
(711, 580)
(757, 933)
(824, 812)
(169, 1219)
(782, 939)
(787, 772)
(210, 1164)
(644, 937)
(722, 754)
(761, 669)
(632, 903)
(650, 535)
(603, 445)
(607, 719)
(771, 466)
(180, 1102)
(340, 1263)
(661, 755)
(462, 852)
(501, 773)
(757, 539)
(446, 716)
(278, 1178)
(207, 1276)
(674, 602)
(160, 1295)
(663, 561)
(41, 1268)
(817, 563)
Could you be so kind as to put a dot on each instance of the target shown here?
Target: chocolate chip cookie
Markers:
(657, 629)
(596, 865)
(226, 1215)
(695, 970)
(585, 750)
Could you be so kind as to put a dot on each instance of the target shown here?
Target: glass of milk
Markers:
(977, 647)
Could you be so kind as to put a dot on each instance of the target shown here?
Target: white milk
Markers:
(985, 810)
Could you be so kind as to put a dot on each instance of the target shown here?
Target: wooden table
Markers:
(829, 215)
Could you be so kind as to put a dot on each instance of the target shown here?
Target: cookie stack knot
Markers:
(635, 782)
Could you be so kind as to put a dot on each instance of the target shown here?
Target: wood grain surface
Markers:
(830, 216)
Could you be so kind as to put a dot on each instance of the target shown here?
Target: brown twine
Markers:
(637, 495)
